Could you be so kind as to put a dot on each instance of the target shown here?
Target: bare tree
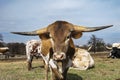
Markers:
(2, 44)
(92, 42)
(97, 43)
(1, 37)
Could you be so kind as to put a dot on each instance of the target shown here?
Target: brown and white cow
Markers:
(58, 46)
(33, 48)
(82, 60)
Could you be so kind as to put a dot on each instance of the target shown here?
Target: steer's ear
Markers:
(76, 34)
(44, 36)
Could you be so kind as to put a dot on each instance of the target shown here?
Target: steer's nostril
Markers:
(54, 56)
(61, 56)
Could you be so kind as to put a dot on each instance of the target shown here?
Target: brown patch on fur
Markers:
(46, 45)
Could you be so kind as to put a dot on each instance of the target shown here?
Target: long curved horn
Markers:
(109, 48)
(32, 33)
(90, 29)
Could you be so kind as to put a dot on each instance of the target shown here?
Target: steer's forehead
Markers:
(60, 29)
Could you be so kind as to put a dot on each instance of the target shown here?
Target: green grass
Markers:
(105, 69)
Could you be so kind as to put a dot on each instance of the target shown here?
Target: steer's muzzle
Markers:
(59, 56)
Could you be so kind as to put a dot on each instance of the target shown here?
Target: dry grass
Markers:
(105, 69)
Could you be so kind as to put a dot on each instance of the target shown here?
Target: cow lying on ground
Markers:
(82, 60)
(32, 49)
(115, 50)
(58, 46)
(115, 53)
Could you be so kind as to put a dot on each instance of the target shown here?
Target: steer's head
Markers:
(60, 34)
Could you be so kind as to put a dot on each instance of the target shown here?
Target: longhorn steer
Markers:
(32, 49)
(115, 50)
(59, 44)
(82, 60)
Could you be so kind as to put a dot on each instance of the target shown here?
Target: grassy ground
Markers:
(105, 69)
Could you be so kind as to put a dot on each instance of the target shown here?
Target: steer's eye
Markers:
(68, 37)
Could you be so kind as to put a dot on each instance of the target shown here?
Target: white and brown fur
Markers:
(82, 60)
(33, 48)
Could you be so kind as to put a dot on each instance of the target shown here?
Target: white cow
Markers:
(32, 49)
(82, 60)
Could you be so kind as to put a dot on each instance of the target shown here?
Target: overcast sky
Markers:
(29, 15)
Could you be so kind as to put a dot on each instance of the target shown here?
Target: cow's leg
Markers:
(46, 71)
(30, 62)
(46, 68)
(65, 74)
(65, 66)
(56, 75)
(44, 64)
(51, 73)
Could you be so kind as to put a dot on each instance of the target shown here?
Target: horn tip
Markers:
(13, 32)
(110, 25)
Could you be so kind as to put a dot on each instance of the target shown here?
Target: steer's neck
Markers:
(46, 46)
(71, 49)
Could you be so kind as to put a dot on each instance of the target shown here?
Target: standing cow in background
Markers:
(3, 50)
(58, 45)
(32, 49)
(115, 50)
